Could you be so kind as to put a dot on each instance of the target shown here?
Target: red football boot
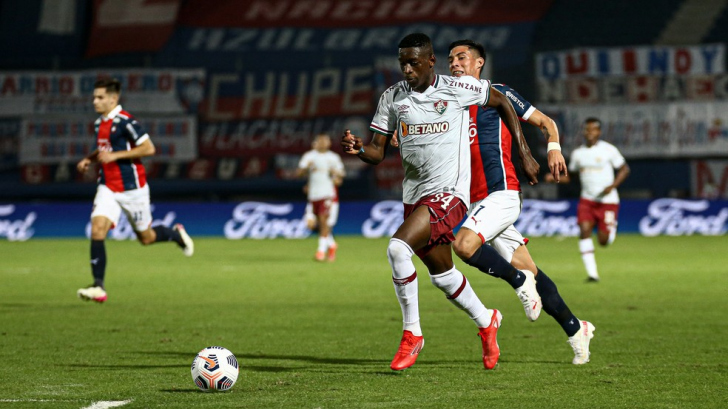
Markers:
(409, 348)
(488, 335)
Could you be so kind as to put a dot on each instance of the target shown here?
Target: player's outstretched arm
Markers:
(500, 102)
(555, 159)
(373, 153)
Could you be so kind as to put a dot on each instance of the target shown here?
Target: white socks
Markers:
(330, 240)
(404, 278)
(322, 244)
(458, 290)
(586, 247)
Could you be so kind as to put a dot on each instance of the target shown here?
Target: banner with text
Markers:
(260, 220)
(171, 91)
(679, 129)
(57, 139)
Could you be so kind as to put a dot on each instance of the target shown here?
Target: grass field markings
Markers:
(105, 404)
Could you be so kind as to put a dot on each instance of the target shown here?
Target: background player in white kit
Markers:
(324, 169)
(429, 113)
(596, 161)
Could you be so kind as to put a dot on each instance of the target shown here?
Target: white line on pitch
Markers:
(105, 404)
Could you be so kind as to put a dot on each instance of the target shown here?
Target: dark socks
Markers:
(554, 305)
(164, 233)
(98, 262)
(487, 260)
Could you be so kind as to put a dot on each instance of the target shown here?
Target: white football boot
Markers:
(92, 293)
(189, 248)
(529, 296)
(580, 342)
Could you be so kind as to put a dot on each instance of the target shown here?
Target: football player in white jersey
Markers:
(429, 112)
(596, 161)
(325, 171)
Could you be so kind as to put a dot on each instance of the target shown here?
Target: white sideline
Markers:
(105, 404)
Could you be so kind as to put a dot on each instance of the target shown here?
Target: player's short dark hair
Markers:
(593, 120)
(416, 40)
(111, 85)
(472, 45)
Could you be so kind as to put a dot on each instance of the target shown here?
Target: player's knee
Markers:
(464, 246)
(398, 250)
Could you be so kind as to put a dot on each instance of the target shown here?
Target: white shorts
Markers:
(134, 203)
(333, 214)
(492, 219)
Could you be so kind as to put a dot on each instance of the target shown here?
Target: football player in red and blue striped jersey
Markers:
(122, 185)
(496, 203)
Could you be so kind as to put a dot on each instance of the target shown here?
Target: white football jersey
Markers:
(433, 133)
(596, 165)
(320, 167)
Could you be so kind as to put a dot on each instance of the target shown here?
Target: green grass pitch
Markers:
(321, 335)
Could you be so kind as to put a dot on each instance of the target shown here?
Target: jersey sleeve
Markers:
(339, 165)
(616, 159)
(305, 161)
(574, 161)
(523, 108)
(134, 131)
(470, 91)
(385, 119)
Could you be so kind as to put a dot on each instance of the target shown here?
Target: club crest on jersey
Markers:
(440, 106)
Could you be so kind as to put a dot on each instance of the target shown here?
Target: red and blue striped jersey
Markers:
(490, 147)
(119, 131)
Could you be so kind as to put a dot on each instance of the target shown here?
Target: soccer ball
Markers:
(215, 369)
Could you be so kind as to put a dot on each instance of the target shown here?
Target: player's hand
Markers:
(530, 168)
(394, 141)
(83, 164)
(106, 157)
(607, 190)
(557, 166)
(351, 143)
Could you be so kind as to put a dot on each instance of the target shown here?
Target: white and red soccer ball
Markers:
(215, 369)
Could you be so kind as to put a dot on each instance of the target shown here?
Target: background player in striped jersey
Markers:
(121, 143)
(429, 112)
(496, 202)
(596, 161)
(325, 171)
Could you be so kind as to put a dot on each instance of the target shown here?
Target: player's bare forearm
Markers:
(141, 151)
(622, 174)
(373, 153)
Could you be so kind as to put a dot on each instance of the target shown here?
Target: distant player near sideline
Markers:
(496, 202)
(429, 113)
(325, 171)
(596, 161)
(122, 185)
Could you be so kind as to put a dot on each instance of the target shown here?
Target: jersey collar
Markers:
(114, 112)
(435, 83)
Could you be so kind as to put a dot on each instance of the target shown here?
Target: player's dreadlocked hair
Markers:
(472, 45)
(416, 40)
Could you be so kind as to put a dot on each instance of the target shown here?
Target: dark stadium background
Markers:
(215, 52)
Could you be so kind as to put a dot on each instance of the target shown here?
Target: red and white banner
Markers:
(60, 92)
(131, 25)
(356, 13)
(624, 61)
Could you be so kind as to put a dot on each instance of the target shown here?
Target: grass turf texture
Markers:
(321, 335)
